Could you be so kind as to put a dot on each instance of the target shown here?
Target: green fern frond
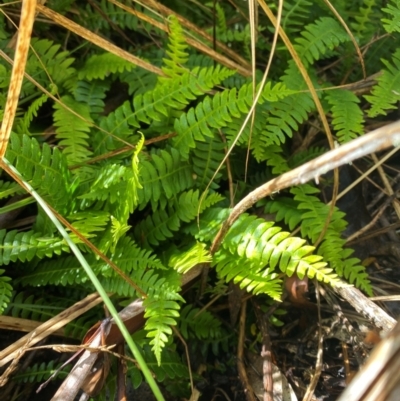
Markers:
(386, 92)
(319, 37)
(107, 183)
(216, 112)
(259, 244)
(163, 176)
(163, 223)
(171, 367)
(209, 224)
(393, 9)
(285, 209)
(24, 246)
(248, 275)
(24, 123)
(49, 65)
(92, 93)
(40, 372)
(205, 159)
(139, 81)
(332, 247)
(347, 117)
(201, 324)
(72, 131)
(173, 66)
(156, 105)
(5, 291)
(100, 66)
(67, 271)
(184, 261)
(364, 18)
(88, 223)
(294, 14)
(46, 168)
(9, 188)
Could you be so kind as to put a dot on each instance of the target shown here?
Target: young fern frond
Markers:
(173, 66)
(386, 92)
(347, 117)
(24, 123)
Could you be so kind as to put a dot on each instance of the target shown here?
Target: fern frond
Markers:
(364, 18)
(40, 372)
(162, 223)
(347, 117)
(71, 131)
(184, 261)
(49, 65)
(177, 51)
(205, 159)
(194, 323)
(319, 37)
(386, 92)
(393, 9)
(163, 176)
(24, 246)
(171, 367)
(46, 168)
(294, 14)
(88, 223)
(216, 112)
(285, 209)
(5, 291)
(156, 105)
(92, 94)
(100, 66)
(332, 247)
(9, 188)
(24, 123)
(259, 244)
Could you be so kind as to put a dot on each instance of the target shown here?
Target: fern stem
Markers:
(132, 346)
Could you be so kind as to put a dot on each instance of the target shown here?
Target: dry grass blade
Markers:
(21, 55)
(192, 42)
(97, 40)
(165, 11)
(50, 327)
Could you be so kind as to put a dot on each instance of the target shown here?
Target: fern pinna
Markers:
(137, 178)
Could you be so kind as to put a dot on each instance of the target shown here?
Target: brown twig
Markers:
(265, 354)
(240, 355)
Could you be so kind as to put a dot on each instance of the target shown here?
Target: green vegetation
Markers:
(130, 159)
